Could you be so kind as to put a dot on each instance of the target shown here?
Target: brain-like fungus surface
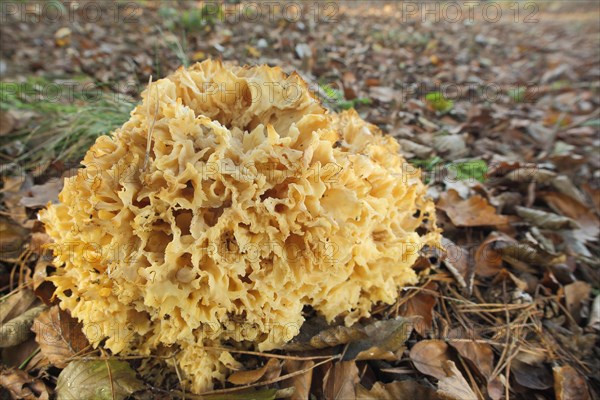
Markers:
(252, 203)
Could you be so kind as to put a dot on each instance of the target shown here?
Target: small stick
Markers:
(151, 130)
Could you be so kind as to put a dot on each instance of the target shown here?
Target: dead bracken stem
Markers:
(151, 129)
(268, 355)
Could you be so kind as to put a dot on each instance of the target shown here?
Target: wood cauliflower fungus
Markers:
(254, 203)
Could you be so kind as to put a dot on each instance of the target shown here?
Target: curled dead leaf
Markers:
(12, 238)
(546, 220)
(429, 356)
(458, 262)
(569, 384)
(582, 214)
(576, 294)
(16, 303)
(385, 340)
(23, 386)
(340, 380)
(532, 376)
(317, 334)
(17, 330)
(301, 383)
(480, 355)
(41, 195)
(271, 370)
(454, 386)
(474, 211)
(421, 305)
(397, 390)
(59, 335)
(488, 257)
(337, 335)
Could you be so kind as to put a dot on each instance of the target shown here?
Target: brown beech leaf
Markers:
(545, 220)
(340, 380)
(421, 305)
(532, 376)
(429, 357)
(337, 335)
(454, 386)
(25, 354)
(488, 256)
(23, 386)
(18, 329)
(569, 384)
(59, 335)
(475, 211)
(458, 262)
(97, 379)
(582, 214)
(12, 238)
(385, 339)
(301, 383)
(397, 390)
(480, 355)
(317, 334)
(41, 195)
(16, 304)
(271, 370)
(576, 294)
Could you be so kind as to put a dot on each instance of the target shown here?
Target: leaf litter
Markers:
(513, 308)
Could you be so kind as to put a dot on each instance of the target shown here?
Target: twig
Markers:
(151, 130)
(269, 355)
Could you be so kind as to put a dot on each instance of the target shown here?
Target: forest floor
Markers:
(498, 105)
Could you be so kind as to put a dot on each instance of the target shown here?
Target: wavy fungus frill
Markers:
(254, 202)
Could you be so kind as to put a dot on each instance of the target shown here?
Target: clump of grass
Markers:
(193, 20)
(334, 99)
(438, 102)
(61, 130)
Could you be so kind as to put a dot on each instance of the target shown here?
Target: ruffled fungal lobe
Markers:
(255, 202)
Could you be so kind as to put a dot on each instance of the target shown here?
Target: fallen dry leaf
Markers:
(480, 355)
(429, 356)
(16, 304)
(337, 335)
(576, 294)
(458, 262)
(475, 211)
(594, 322)
(385, 340)
(7, 122)
(397, 390)
(421, 305)
(488, 256)
(17, 330)
(271, 370)
(340, 380)
(23, 386)
(25, 356)
(41, 195)
(93, 380)
(301, 383)
(454, 386)
(12, 238)
(531, 376)
(317, 334)
(545, 220)
(59, 335)
(569, 384)
(582, 214)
